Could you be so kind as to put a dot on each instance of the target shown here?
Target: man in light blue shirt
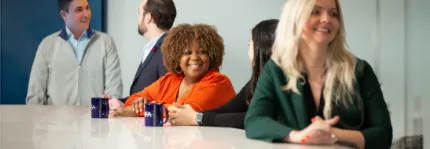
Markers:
(76, 63)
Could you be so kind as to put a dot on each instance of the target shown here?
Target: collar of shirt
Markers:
(149, 47)
(151, 44)
(72, 37)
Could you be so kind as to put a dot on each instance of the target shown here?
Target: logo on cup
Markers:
(99, 107)
(148, 114)
(154, 114)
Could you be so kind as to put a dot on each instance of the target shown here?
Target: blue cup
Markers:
(99, 107)
(154, 114)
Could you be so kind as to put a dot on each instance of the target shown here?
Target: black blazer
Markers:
(150, 70)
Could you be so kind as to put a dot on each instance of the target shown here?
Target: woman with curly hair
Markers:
(192, 54)
(233, 112)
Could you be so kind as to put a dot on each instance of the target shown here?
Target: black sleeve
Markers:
(230, 114)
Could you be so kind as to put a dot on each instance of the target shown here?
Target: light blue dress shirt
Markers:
(147, 49)
(78, 45)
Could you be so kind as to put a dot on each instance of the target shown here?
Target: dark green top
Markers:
(273, 113)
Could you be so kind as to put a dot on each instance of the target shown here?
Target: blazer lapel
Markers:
(147, 60)
(299, 106)
(156, 47)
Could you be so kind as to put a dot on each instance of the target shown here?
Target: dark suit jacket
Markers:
(150, 70)
(273, 112)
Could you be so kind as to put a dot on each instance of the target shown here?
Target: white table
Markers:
(63, 127)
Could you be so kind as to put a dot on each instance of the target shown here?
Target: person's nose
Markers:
(325, 18)
(195, 56)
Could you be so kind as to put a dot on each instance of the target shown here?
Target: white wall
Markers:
(375, 32)
(418, 68)
(361, 27)
(392, 35)
(392, 62)
(122, 26)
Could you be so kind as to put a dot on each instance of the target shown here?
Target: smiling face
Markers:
(194, 62)
(78, 17)
(323, 23)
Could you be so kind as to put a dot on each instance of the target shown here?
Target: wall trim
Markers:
(104, 15)
(0, 48)
(405, 54)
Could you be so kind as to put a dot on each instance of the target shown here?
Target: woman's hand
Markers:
(139, 104)
(182, 115)
(319, 132)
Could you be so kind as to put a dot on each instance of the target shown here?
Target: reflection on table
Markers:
(54, 127)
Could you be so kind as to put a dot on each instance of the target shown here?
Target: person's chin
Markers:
(322, 41)
(196, 76)
(85, 28)
(86, 25)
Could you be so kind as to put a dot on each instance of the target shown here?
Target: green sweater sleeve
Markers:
(377, 132)
(260, 120)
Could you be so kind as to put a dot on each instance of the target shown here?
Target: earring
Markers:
(178, 70)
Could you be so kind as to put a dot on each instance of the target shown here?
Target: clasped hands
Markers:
(319, 132)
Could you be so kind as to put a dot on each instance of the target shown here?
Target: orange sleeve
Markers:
(213, 92)
(150, 92)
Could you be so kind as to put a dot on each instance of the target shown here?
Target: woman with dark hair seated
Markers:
(233, 113)
(192, 54)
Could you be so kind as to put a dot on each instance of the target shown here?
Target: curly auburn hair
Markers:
(182, 36)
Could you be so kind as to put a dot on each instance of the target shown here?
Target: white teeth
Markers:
(194, 65)
(323, 30)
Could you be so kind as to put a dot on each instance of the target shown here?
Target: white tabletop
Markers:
(62, 127)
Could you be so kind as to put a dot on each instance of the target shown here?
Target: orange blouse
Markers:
(211, 91)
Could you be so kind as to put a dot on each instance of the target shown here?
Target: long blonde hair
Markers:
(339, 65)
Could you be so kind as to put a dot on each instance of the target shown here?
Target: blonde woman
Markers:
(314, 91)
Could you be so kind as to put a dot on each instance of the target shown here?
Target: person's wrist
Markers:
(198, 118)
(293, 137)
(337, 134)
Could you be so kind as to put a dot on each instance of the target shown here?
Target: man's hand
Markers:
(116, 107)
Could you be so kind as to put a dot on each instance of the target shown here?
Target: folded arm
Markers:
(231, 114)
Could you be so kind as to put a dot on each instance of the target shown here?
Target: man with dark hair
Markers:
(76, 63)
(155, 18)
